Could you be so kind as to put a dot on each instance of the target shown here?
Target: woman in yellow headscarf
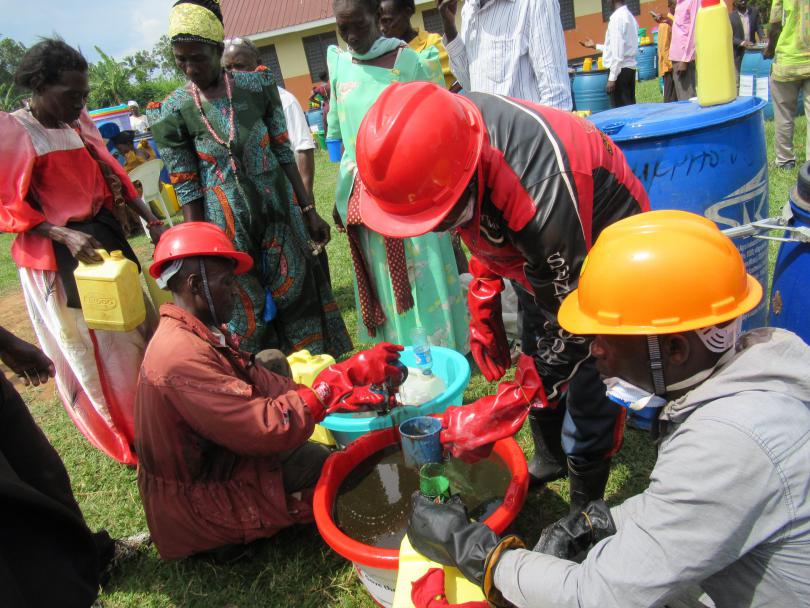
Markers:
(224, 141)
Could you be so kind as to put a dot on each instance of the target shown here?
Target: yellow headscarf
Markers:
(193, 22)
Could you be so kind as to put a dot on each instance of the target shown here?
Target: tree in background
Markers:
(147, 75)
(110, 82)
(11, 53)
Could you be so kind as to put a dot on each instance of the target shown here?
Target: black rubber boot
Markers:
(548, 463)
(587, 482)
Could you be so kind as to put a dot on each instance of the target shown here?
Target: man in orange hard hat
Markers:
(726, 509)
(528, 188)
(222, 441)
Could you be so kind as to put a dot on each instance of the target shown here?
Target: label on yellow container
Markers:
(110, 293)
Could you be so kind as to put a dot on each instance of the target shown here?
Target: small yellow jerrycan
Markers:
(110, 293)
(159, 296)
(587, 65)
(413, 566)
(305, 368)
(600, 64)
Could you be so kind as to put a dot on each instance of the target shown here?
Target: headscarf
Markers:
(190, 21)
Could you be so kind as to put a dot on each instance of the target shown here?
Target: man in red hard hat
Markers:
(222, 441)
(528, 188)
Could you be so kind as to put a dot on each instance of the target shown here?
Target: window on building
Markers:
(315, 50)
(567, 16)
(269, 58)
(433, 21)
(607, 8)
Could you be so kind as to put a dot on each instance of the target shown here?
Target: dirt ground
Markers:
(15, 320)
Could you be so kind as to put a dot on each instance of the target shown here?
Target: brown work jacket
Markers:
(209, 426)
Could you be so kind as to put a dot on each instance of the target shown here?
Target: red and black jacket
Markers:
(549, 182)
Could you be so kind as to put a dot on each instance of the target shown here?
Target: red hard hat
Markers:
(417, 149)
(192, 239)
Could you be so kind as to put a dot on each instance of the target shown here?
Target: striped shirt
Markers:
(514, 48)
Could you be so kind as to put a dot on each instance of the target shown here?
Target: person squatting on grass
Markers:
(222, 440)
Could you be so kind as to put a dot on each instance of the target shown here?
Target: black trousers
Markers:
(670, 94)
(592, 425)
(624, 93)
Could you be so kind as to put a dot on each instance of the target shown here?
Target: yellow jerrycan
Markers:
(587, 65)
(110, 293)
(305, 368)
(714, 54)
(413, 566)
(159, 296)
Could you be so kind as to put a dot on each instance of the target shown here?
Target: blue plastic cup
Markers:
(420, 441)
(335, 149)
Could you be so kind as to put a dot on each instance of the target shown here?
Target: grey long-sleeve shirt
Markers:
(727, 506)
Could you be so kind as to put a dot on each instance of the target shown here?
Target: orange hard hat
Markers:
(193, 239)
(417, 149)
(659, 272)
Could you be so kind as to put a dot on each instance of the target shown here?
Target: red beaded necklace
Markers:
(195, 93)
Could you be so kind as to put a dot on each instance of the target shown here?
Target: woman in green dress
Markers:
(400, 284)
(224, 140)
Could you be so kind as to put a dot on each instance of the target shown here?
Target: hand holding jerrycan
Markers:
(110, 293)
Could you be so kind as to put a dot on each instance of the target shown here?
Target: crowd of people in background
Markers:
(219, 435)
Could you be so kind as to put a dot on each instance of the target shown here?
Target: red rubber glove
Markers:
(488, 342)
(428, 592)
(471, 430)
(361, 399)
(371, 366)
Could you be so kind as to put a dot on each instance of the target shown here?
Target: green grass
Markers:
(295, 568)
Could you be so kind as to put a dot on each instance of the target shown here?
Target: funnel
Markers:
(433, 482)
(420, 440)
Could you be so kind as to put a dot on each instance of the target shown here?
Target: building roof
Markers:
(248, 17)
(260, 18)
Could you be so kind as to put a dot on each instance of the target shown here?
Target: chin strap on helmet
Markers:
(207, 292)
(656, 365)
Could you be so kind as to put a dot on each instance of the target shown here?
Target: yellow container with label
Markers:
(305, 368)
(159, 296)
(413, 566)
(110, 293)
(587, 65)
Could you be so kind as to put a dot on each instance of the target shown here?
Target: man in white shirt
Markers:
(619, 54)
(139, 122)
(509, 47)
(300, 137)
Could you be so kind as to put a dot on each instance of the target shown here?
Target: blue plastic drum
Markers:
(588, 89)
(710, 161)
(790, 296)
(647, 61)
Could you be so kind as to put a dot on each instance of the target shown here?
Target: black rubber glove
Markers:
(445, 534)
(575, 534)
